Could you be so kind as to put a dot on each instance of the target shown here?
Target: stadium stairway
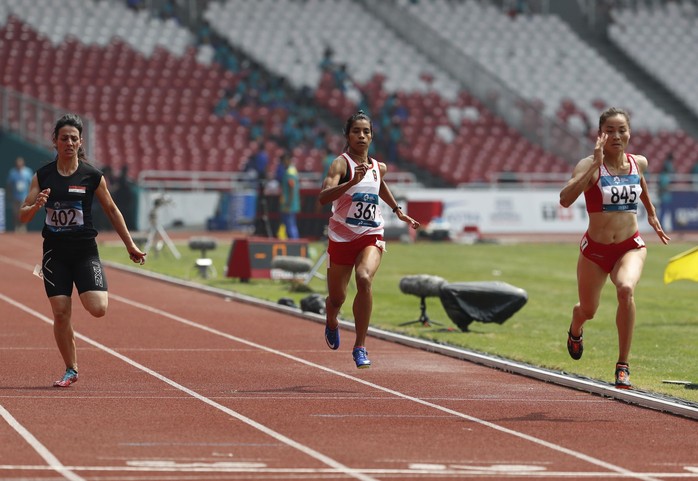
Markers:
(597, 36)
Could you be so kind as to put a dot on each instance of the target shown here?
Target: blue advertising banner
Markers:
(684, 210)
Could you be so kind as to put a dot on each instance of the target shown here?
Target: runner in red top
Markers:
(612, 182)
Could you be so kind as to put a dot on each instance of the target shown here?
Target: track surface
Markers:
(177, 384)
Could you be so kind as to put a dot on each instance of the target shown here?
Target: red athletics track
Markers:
(178, 384)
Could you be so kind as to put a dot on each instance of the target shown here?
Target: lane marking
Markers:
(284, 439)
(51, 460)
(532, 439)
(541, 442)
(339, 467)
(499, 471)
(16, 263)
(664, 404)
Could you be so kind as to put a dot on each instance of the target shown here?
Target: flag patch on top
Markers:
(77, 189)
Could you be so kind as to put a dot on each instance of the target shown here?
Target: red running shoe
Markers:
(623, 376)
(70, 377)
(575, 346)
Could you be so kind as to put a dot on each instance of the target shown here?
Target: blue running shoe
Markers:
(70, 377)
(361, 357)
(332, 337)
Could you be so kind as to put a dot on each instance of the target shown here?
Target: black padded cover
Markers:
(487, 301)
(313, 303)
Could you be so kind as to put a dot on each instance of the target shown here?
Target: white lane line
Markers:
(16, 263)
(494, 471)
(250, 422)
(51, 460)
(540, 442)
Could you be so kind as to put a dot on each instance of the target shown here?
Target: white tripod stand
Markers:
(156, 229)
(318, 263)
(314, 271)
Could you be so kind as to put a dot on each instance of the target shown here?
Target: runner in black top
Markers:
(65, 188)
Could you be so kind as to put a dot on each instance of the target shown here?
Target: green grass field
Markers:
(665, 332)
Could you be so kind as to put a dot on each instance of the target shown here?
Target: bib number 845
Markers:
(625, 194)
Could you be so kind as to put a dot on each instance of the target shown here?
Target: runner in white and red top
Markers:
(355, 186)
(612, 182)
(357, 211)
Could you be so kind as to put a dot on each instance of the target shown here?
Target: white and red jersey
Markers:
(357, 212)
(615, 193)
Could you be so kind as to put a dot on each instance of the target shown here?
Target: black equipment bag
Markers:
(494, 301)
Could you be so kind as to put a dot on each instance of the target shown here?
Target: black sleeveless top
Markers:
(69, 206)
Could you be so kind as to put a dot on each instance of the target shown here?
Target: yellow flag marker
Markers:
(683, 266)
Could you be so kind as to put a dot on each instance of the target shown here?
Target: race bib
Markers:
(364, 210)
(621, 193)
(65, 216)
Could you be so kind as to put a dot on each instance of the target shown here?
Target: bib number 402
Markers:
(64, 217)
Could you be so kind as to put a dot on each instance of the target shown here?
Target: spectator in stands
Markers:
(169, 12)
(99, 218)
(341, 77)
(394, 137)
(327, 61)
(256, 168)
(136, 5)
(256, 131)
(327, 162)
(517, 7)
(124, 197)
(338, 71)
(291, 132)
(290, 199)
(354, 185)
(612, 181)
(65, 189)
(668, 165)
(226, 103)
(257, 163)
(18, 180)
(694, 173)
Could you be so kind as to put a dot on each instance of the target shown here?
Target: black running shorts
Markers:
(63, 266)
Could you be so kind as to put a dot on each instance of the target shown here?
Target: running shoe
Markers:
(623, 376)
(70, 377)
(332, 337)
(361, 357)
(575, 346)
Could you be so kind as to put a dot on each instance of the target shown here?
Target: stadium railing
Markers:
(34, 120)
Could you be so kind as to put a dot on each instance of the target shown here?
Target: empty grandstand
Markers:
(462, 92)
